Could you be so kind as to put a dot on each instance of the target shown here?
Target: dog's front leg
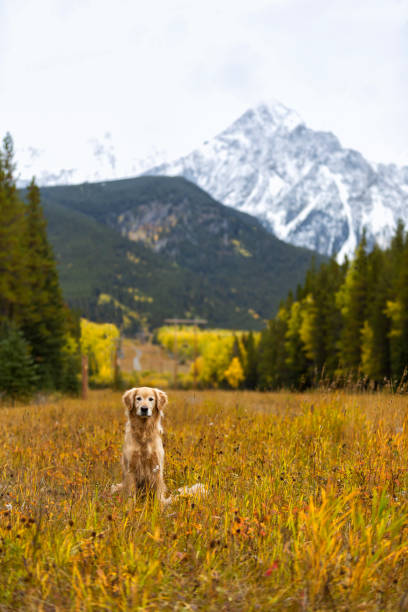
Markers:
(128, 484)
(118, 488)
(157, 482)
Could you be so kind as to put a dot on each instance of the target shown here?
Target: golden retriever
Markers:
(143, 453)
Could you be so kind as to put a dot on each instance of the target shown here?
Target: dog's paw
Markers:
(116, 488)
(165, 501)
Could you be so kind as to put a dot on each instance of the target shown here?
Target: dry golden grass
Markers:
(307, 506)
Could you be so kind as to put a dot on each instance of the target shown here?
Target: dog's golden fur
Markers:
(143, 453)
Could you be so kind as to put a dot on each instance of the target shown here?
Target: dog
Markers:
(143, 452)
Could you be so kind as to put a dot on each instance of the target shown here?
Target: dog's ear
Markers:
(128, 399)
(162, 399)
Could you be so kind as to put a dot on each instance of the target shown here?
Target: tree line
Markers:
(39, 335)
(347, 323)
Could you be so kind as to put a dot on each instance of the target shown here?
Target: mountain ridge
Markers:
(301, 183)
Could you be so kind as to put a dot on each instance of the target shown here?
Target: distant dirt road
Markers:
(136, 359)
(147, 357)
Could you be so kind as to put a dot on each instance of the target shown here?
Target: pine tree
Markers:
(396, 250)
(321, 321)
(352, 299)
(397, 310)
(376, 330)
(272, 366)
(236, 350)
(18, 373)
(250, 362)
(13, 293)
(43, 319)
(332, 276)
(296, 360)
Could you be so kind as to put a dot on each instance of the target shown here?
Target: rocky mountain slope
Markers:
(136, 251)
(301, 183)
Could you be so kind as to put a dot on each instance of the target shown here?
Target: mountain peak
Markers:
(301, 183)
(274, 111)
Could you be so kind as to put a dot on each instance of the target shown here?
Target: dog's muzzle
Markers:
(144, 411)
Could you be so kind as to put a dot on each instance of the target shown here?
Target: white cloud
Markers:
(167, 76)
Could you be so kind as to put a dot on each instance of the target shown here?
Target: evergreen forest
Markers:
(347, 323)
(38, 333)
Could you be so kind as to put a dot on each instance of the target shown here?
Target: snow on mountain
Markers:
(302, 184)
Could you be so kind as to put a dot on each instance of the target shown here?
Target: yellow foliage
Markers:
(215, 357)
(234, 374)
(394, 311)
(98, 341)
(104, 298)
(240, 249)
(253, 313)
(138, 296)
(132, 258)
(213, 348)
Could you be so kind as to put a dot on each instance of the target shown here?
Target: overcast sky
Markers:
(94, 86)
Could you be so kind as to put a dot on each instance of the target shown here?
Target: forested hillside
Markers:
(136, 251)
(38, 335)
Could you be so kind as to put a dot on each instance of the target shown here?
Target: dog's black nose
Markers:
(144, 410)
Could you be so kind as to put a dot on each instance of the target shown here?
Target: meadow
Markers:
(307, 505)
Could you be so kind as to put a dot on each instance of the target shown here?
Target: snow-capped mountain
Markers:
(301, 183)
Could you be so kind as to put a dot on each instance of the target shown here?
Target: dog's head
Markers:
(144, 402)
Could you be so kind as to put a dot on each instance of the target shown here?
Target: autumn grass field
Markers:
(307, 506)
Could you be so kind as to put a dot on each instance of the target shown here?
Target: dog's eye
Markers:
(151, 399)
(139, 399)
